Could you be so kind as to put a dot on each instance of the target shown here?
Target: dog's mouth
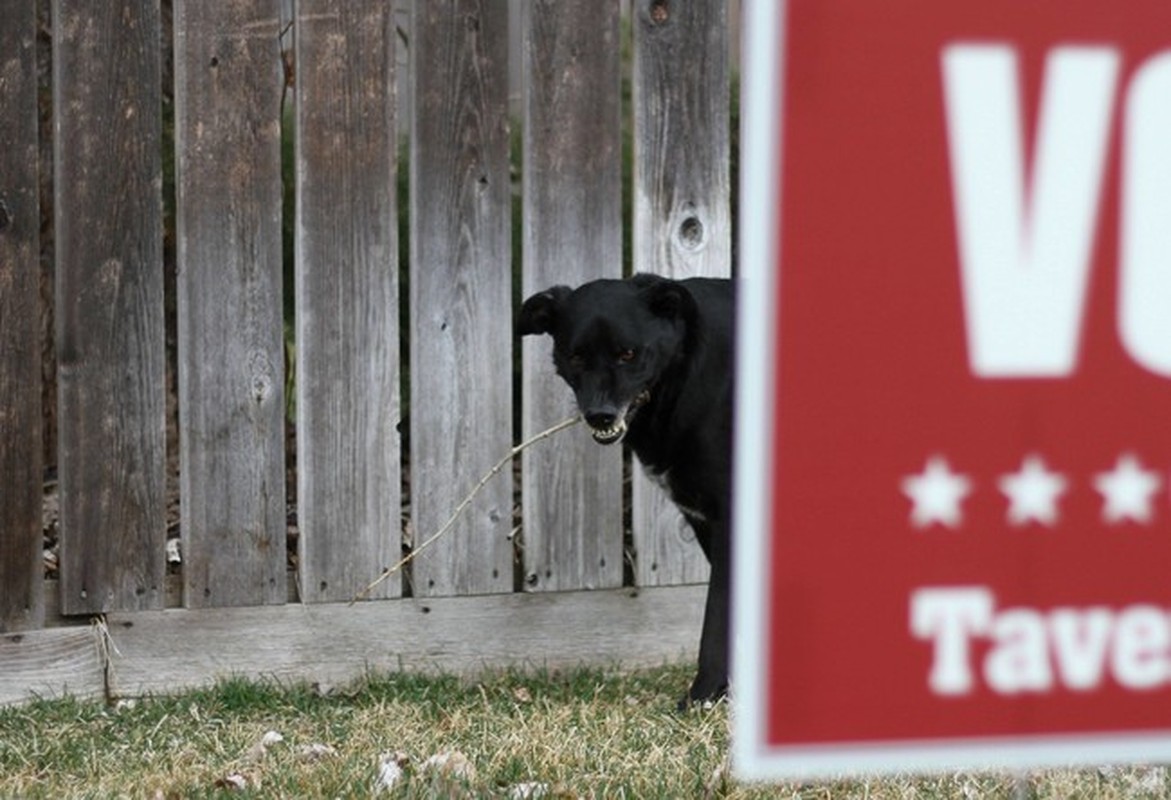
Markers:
(609, 435)
(616, 431)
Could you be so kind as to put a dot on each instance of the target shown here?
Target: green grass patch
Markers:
(584, 733)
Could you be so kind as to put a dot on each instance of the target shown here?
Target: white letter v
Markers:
(1024, 270)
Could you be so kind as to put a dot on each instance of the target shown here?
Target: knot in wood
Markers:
(691, 232)
(660, 11)
(260, 376)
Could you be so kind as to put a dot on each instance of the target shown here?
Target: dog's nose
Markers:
(601, 420)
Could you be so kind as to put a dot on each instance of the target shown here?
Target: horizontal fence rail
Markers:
(278, 303)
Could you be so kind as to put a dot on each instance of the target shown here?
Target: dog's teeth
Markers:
(609, 435)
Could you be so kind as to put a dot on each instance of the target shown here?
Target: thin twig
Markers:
(499, 465)
(106, 652)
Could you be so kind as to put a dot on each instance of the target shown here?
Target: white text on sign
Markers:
(1026, 245)
(1029, 650)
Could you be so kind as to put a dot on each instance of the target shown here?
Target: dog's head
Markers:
(612, 342)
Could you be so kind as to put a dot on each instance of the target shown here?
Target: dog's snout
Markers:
(601, 419)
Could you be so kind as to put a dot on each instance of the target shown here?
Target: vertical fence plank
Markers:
(461, 328)
(347, 299)
(228, 82)
(682, 226)
(22, 604)
(572, 233)
(109, 297)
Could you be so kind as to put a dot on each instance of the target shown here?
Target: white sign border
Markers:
(752, 758)
(759, 207)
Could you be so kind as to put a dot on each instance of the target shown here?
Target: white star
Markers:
(936, 494)
(1032, 492)
(1128, 490)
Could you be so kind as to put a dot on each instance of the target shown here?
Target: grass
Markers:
(585, 733)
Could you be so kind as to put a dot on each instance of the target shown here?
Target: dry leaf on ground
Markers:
(529, 791)
(235, 782)
(452, 764)
(260, 749)
(315, 752)
(390, 770)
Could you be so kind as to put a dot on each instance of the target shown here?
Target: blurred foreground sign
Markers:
(954, 453)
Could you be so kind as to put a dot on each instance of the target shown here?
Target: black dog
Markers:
(650, 360)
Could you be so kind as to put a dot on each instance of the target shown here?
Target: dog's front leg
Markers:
(711, 680)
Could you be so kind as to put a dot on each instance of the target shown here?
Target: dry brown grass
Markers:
(582, 734)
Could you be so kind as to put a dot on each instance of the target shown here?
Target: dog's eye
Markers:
(625, 356)
(577, 361)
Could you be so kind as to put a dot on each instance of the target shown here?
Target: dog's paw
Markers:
(702, 700)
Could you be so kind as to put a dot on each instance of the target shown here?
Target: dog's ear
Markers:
(539, 312)
(666, 298)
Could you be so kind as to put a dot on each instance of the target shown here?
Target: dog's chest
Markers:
(662, 479)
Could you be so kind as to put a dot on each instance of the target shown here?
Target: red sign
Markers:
(954, 454)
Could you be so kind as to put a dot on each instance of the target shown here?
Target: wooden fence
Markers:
(372, 415)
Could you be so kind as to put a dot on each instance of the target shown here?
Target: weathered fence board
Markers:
(331, 644)
(52, 663)
(461, 324)
(109, 298)
(21, 596)
(572, 220)
(228, 81)
(348, 495)
(682, 226)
